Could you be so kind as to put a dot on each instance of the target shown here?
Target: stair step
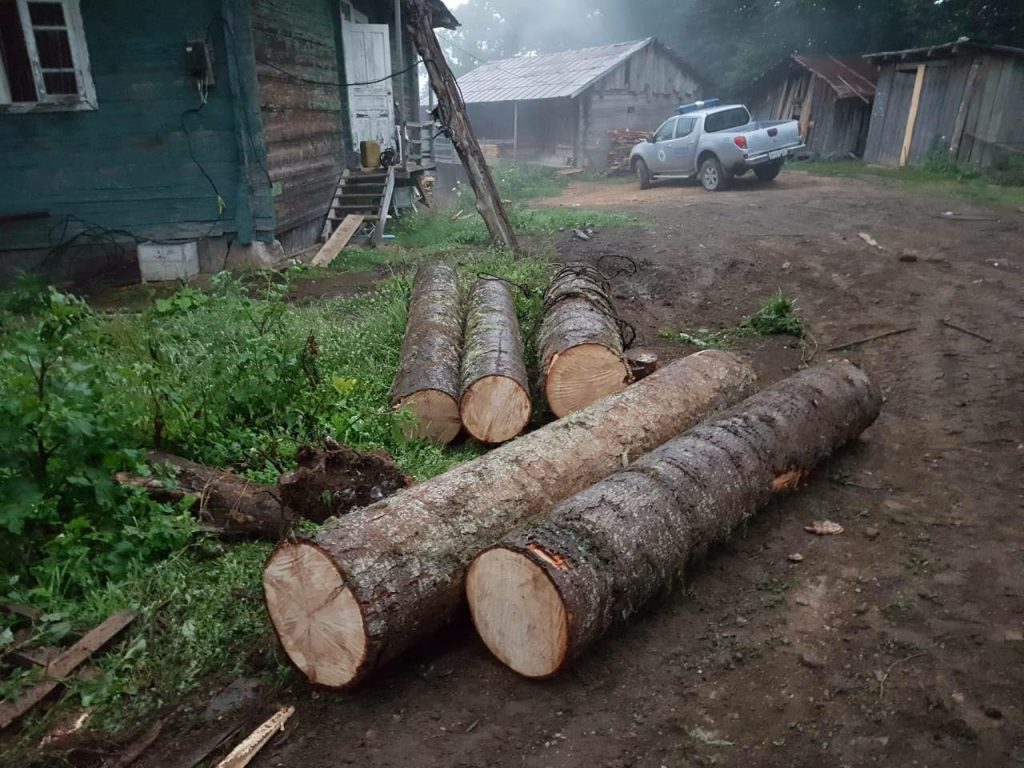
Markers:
(369, 217)
(355, 208)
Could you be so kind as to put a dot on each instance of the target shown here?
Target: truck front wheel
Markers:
(712, 175)
(643, 173)
(768, 171)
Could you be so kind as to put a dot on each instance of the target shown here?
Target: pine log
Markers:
(451, 110)
(495, 404)
(547, 591)
(226, 503)
(579, 343)
(427, 382)
(367, 586)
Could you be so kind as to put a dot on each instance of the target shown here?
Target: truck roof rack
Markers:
(694, 106)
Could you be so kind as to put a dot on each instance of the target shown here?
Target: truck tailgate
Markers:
(773, 135)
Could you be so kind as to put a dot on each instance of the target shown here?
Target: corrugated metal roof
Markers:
(545, 76)
(849, 77)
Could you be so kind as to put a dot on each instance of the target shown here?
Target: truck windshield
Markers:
(726, 119)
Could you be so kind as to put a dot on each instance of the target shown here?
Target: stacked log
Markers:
(547, 591)
(495, 404)
(367, 586)
(579, 342)
(621, 142)
(427, 382)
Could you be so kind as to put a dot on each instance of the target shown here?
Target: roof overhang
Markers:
(943, 51)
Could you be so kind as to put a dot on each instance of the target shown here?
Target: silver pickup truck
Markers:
(715, 143)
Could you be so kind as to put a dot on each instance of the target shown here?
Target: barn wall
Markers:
(640, 93)
(839, 126)
(545, 132)
(126, 165)
(305, 124)
(994, 127)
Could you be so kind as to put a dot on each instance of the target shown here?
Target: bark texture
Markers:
(493, 350)
(611, 548)
(225, 503)
(431, 349)
(578, 311)
(451, 110)
(403, 560)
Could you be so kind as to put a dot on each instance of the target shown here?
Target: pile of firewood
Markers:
(462, 361)
(620, 142)
(559, 533)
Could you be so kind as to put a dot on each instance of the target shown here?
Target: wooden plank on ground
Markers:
(64, 664)
(241, 755)
(336, 242)
(915, 103)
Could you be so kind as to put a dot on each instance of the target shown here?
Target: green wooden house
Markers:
(226, 122)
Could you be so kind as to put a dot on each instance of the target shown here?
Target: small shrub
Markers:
(776, 316)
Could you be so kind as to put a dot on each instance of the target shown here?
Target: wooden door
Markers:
(372, 106)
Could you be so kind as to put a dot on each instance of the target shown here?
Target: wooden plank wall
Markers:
(994, 127)
(640, 93)
(126, 165)
(305, 124)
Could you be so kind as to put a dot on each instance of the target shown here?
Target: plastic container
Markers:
(369, 154)
(168, 261)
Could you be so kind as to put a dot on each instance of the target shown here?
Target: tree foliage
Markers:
(731, 41)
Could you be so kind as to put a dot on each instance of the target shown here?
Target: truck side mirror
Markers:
(650, 138)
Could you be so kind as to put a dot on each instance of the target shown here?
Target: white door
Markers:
(372, 107)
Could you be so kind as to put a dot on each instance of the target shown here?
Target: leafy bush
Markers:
(777, 315)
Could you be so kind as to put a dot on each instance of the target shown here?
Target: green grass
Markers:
(777, 315)
(224, 376)
(999, 187)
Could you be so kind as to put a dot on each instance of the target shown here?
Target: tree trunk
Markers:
(547, 591)
(226, 503)
(451, 110)
(427, 382)
(495, 404)
(369, 585)
(579, 343)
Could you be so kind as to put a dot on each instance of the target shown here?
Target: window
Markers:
(664, 133)
(684, 126)
(348, 13)
(44, 63)
(726, 119)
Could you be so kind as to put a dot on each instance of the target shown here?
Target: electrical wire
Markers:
(307, 81)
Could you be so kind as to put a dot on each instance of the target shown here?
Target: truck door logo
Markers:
(661, 155)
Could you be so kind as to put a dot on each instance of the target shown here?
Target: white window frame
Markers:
(85, 99)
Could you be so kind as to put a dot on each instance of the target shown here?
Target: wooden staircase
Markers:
(363, 193)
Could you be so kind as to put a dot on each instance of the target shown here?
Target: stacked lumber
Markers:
(620, 143)
(549, 590)
(367, 586)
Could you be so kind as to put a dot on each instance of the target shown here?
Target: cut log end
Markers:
(495, 409)
(518, 612)
(316, 616)
(435, 416)
(582, 375)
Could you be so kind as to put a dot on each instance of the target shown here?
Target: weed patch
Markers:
(776, 316)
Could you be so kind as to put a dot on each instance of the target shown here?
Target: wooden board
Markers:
(64, 665)
(915, 102)
(243, 754)
(336, 242)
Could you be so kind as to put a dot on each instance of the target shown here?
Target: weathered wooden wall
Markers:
(126, 165)
(305, 124)
(994, 126)
(640, 93)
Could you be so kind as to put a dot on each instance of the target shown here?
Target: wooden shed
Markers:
(962, 100)
(830, 96)
(225, 122)
(557, 108)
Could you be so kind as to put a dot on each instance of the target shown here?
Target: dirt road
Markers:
(896, 643)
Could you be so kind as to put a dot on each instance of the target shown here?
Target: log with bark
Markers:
(367, 586)
(579, 342)
(451, 111)
(547, 591)
(427, 382)
(495, 404)
(327, 481)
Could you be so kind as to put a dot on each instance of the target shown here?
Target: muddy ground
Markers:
(897, 643)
